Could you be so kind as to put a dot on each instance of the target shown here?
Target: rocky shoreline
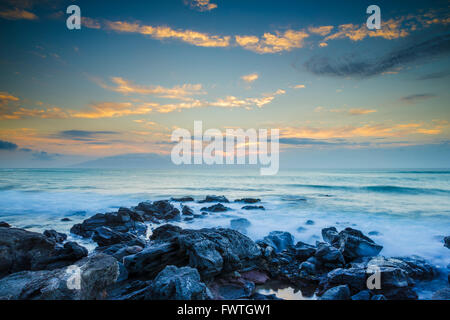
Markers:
(168, 262)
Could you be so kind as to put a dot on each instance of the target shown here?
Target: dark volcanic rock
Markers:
(248, 200)
(105, 237)
(182, 199)
(55, 236)
(174, 283)
(309, 222)
(66, 219)
(362, 295)
(279, 240)
(159, 210)
(253, 208)
(341, 292)
(187, 211)
(211, 251)
(208, 199)
(354, 244)
(443, 294)
(87, 279)
(215, 208)
(120, 221)
(447, 242)
(303, 251)
(4, 224)
(330, 235)
(328, 256)
(25, 250)
(232, 288)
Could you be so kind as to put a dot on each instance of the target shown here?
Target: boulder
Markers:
(24, 250)
(121, 221)
(182, 199)
(303, 251)
(55, 236)
(4, 224)
(66, 219)
(240, 224)
(362, 295)
(215, 208)
(328, 256)
(105, 237)
(414, 267)
(447, 242)
(248, 200)
(210, 198)
(231, 288)
(253, 208)
(85, 280)
(159, 210)
(279, 240)
(309, 222)
(354, 244)
(174, 283)
(341, 292)
(330, 235)
(187, 211)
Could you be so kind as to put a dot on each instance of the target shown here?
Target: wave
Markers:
(375, 189)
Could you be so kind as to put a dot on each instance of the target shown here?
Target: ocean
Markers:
(407, 211)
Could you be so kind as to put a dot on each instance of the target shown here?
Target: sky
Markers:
(340, 94)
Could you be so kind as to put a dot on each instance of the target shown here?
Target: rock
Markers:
(354, 244)
(86, 280)
(55, 236)
(374, 233)
(330, 235)
(179, 284)
(301, 229)
(4, 224)
(328, 256)
(240, 224)
(414, 267)
(208, 199)
(105, 237)
(231, 288)
(355, 278)
(378, 297)
(443, 294)
(253, 208)
(362, 295)
(248, 200)
(279, 240)
(447, 242)
(24, 250)
(303, 251)
(120, 221)
(337, 293)
(255, 276)
(66, 219)
(187, 211)
(215, 208)
(212, 251)
(309, 222)
(182, 199)
(159, 210)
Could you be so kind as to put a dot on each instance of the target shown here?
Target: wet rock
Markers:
(248, 200)
(120, 221)
(182, 199)
(362, 295)
(443, 294)
(279, 240)
(255, 276)
(24, 250)
(301, 229)
(159, 210)
(174, 283)
(187, 211)
(328, 256)
(253, 208)
(86, 280)
(4, 224)
(231, 288)
(240, 224)
(309, 222)
(354, 244)
(66, 219)
(378, 297)
(211, 251)
(341, 292)
(55, 236)
(355, 278)
(374, 233)
(215, 208)
(447, 242)
(330, 235)
(210, 198)
(105, 237)
(414, 267)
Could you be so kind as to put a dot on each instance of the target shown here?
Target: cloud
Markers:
(5, 98)
(83, 135)
(161, 33)
(200, 5)
(18, 14)
(273, 43)
(5, 145)
(358, 112)
(308, 141)
(249, 78)
(111, 110)
(413, 98)
(323, 30)
(351, 67)
(183, 92)
(434, 75)
(44, 156)
(90, 23)
(299, 86)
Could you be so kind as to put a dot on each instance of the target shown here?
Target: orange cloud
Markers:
(250, 77)
(323, 30)
(273, 43)
(18, 14)
(201, 5)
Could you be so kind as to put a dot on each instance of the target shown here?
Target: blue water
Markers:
(410, 209)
